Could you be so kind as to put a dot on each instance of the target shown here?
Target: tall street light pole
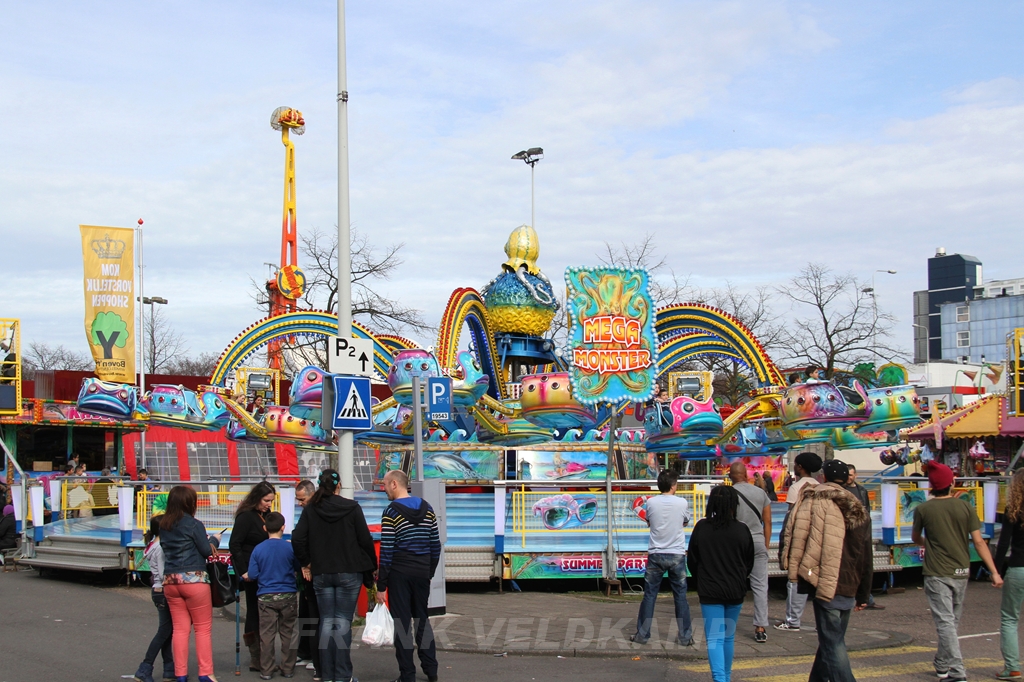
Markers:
(531, 156)
(874, 307)
(345, 465)
(150, 301)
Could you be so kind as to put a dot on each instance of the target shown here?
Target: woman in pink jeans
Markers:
(186, 583)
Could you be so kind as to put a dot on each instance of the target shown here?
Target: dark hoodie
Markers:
(332, 537)
(409, 540)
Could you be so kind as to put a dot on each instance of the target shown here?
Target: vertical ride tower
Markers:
(289, 284)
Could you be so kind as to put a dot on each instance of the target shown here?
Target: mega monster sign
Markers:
(611, 335)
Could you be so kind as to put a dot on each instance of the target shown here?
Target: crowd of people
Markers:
(826, 548)
(300, 596)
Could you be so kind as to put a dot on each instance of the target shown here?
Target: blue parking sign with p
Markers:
(439, 398)
(351, 404)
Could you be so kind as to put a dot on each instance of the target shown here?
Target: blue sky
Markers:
(749, 138)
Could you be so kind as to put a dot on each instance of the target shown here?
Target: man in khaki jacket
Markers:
(828, 558)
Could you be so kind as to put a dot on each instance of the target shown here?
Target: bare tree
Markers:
(664, 285)
(836, 321)
(733, 379)
(43, 356)
(201, 365)
(162, 345)
(370, 265)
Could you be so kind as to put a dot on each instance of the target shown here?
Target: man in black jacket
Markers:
(309, 614)
(410, 549)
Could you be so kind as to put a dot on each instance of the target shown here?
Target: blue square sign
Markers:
(439, 398)
(351, 404)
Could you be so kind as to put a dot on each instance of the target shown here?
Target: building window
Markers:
(963, 313)
(963, 339)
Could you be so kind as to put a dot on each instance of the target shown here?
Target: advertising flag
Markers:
(611, 335)
(108, 257)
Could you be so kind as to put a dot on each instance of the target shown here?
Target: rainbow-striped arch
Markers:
(465, 306)
(300, 323)
(687, 330)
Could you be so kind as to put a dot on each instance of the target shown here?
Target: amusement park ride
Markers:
(518, 412)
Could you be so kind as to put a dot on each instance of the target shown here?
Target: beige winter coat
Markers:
(815, 534)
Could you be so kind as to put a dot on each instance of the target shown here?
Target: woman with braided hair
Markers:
(721, 556)
(335, 549)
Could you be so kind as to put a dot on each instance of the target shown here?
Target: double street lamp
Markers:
(530, 156)
(147, 300)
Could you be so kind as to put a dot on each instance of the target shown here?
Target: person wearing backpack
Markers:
(755, 511)
(335, 549)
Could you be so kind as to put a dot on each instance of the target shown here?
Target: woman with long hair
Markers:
(721, 556)
(248, 532)
(1011, 538)
(186, 584)
(335, 549)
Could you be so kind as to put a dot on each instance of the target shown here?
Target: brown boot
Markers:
(252, 641)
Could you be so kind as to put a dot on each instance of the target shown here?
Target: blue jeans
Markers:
(831, 662)
(1009, 612)
(657, 565)
(336, 596)
(720, 633)
(161, 642)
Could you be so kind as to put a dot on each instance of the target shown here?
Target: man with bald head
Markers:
(755, 511)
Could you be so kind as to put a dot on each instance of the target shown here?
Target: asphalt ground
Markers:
(76, 627)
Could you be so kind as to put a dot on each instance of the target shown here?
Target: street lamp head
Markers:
(867, 290)
(891, 272)
(530, 156)
(157, 299)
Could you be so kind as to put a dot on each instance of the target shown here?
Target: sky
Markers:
(748, 138)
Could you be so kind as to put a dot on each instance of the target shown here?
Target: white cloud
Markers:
(171, 125)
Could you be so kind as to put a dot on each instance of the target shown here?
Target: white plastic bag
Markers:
(380, 627)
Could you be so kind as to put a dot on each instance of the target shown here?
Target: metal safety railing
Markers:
(215, 507)
(535, 512)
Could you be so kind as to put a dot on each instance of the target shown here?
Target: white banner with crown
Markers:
(108, 257)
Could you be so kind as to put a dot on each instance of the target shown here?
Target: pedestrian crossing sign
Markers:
(351, 410)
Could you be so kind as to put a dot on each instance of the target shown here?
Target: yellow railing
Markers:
(84, 497)
(586, 512)
(216, 505)
(910, 496)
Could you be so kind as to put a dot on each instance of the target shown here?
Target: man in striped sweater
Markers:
(410, 549)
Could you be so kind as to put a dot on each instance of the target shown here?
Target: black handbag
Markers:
(223, 584)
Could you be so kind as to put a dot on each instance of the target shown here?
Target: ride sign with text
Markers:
(611, 335)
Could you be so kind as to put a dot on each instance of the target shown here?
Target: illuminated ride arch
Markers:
(466, 306)
(687, 330)
(300, 323)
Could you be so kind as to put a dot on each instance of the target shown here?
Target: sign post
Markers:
(417, 426)
(614, 353)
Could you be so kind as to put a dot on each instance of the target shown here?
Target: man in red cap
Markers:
(946, 522)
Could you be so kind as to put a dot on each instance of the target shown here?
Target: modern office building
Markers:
(977, 329)
(952, 278)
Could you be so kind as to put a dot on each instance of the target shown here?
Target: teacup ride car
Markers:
(889, 408)
(107, 399)
(177, 406)
(547, 401)
(821, 405)
(693, 422)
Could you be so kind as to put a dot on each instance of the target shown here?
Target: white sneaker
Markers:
(310, 666)
(786, 627)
